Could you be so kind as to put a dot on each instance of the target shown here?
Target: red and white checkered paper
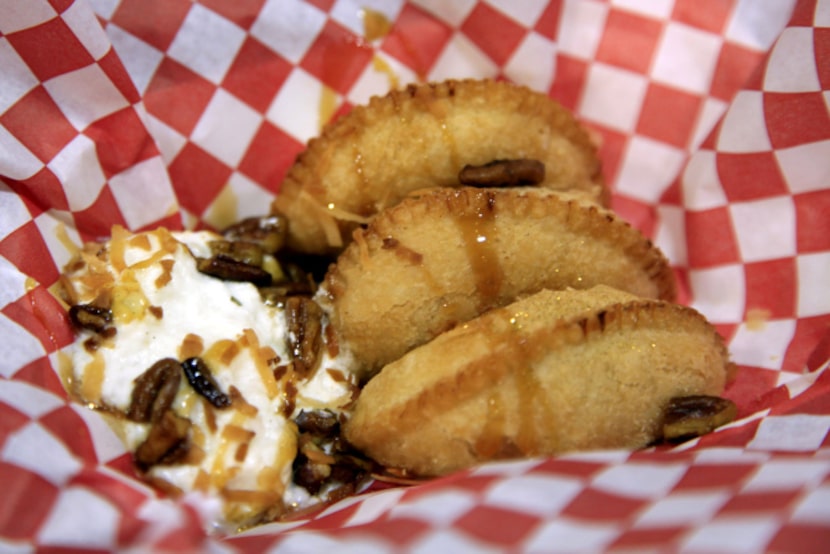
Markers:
(715, 124)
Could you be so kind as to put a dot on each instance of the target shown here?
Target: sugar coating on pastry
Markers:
(422, 136)
(555, 372)
(239, 431)
(437, 260)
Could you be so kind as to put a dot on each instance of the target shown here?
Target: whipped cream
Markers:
(162, 306)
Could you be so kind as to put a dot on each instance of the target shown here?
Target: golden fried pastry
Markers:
(556, 372)
(438, 260)
(421, 137)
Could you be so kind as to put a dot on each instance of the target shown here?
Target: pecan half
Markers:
(305, 332)
(686, 417)
(322, 423)
(240, 251)
(166, 443)
(268, 232)
(323, 461)
(91, 317)
(154, 391)
(503, 173)
(229, 269)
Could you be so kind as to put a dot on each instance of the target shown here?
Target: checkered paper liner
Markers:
(715, 126)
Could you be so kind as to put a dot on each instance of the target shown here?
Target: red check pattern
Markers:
(715, 137)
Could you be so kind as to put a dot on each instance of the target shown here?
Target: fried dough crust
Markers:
(438, 260)
(422, 136)
(556, 372)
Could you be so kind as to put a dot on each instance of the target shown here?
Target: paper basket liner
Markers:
(714, 121)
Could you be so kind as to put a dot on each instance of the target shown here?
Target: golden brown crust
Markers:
(422, 136)
(432, 262)
(556, 372)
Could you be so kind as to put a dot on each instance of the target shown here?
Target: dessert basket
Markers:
(713, 120)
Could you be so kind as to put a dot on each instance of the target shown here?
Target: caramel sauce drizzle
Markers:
(382, 66)
(257, 498)
(375, 27)
(375, 24)
(66, 372)
(326, 107)
(360, 171)
(224, 210)
(63, 237)
(479, 236)
(269, 477)
(533, 412)
(450, 143)
(530, 393)
(489, 443)
(92, 381)
(30, 284)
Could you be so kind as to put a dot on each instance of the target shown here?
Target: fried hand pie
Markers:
(558, 371)
(435, 261)
(423, 136)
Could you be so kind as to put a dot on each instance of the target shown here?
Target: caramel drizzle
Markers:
(497, 439)
(531, 399)
(375, 24)
(359, 162)
(517, 408)
(92, 381)
(382, 66)
(489, 442)
(478, 231)
(326, 107)
(439, 110)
